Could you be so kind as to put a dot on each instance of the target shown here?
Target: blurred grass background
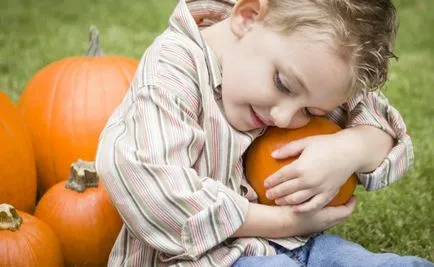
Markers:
(399, 218)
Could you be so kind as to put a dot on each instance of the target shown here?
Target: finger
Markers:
(323, 199)
(295, 198)
(317, 202)
(347, 208)
(351, 203)
(285, 173)
(290, 149)
(340, 213)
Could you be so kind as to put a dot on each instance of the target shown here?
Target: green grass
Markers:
(399, 218)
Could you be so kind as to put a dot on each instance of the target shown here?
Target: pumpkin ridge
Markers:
(66, 64)
(260, 165)
(18, 170)
(30, 248)
(120, 67)
(85, 235)
(7, 128)
(29, 245)
(65, 124)
(87, 69)
(82, 68)
(72, 126)
(103, 86)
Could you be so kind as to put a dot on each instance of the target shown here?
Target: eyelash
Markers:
(307, 113)
(284, 89)
(279, 84)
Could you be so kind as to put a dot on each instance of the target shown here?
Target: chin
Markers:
(239, 127)
(237, 122)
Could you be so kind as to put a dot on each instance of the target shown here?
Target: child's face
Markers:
(261, 75)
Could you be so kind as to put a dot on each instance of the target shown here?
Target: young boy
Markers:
(171, 154)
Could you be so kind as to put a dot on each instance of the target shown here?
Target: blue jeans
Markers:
(329, 250)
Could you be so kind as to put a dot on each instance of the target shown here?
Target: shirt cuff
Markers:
(395, 165)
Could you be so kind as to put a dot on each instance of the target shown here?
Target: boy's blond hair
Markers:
(362, 31)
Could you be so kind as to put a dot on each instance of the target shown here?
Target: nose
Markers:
(288, 118)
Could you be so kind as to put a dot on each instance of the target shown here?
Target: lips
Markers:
(257, 121)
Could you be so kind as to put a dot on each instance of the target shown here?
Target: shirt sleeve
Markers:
(374, 109)
(146, 161)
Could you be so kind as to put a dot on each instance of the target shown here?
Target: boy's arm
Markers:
(374, 110)
(282, 221)
(145, 160)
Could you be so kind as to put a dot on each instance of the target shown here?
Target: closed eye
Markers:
(308, 113)
(279, 85)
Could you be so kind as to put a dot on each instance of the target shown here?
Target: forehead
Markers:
(314, 61)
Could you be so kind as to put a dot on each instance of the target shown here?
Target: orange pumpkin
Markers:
(27, 241)
(260, 164)
(66, 105)
(18, 171)
(82, 216)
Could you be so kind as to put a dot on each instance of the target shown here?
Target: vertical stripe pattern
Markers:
(173, 165)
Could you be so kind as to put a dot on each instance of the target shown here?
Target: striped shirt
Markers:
(173, 165)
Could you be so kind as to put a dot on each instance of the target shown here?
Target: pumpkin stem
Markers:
(9, 218)
(94, 49)
(82, 176)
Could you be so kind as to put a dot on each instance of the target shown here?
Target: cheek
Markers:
(298, 122)
(248, 82)
(231, 74)
(247, 78)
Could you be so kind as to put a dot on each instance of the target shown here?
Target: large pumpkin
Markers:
(17, 164)
(27, 241)
(82, 216)
(66, 105)
(260, 164)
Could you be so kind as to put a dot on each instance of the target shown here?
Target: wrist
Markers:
(368, 146)
(264, 221)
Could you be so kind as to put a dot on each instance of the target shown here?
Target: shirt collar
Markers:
(207, 12)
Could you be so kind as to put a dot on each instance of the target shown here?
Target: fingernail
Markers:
(266, 184)
(268, 194)
(275, 153)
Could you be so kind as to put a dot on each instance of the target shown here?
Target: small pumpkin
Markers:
(260, 164)
(18, 171)
(27, 241)
(82, 215)
(66, 105)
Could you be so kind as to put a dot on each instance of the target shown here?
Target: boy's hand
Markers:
(310, 182)
(284, 222)
(297, 224)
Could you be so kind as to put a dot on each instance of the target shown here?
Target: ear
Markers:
(245, 14)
